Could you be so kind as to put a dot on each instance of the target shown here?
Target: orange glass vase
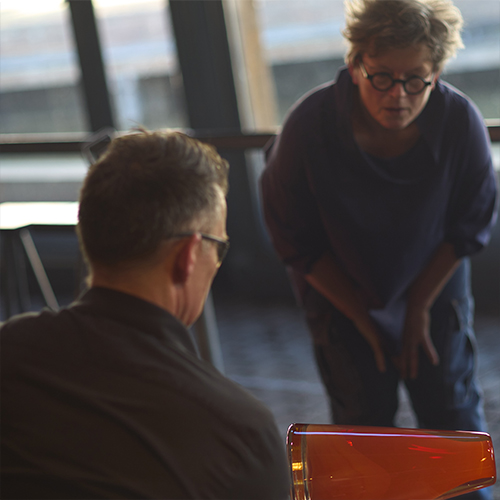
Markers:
(330, 462)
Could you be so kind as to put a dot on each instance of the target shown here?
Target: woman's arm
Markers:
(329, 280)
(422, 294)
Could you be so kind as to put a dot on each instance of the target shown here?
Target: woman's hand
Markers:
(416, 335)
(421, 295)
(366, 327)
(336, 286)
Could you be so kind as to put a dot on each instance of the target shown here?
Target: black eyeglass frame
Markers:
(222, 245)
(393, 80)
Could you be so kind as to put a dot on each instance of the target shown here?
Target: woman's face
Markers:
(394, 109)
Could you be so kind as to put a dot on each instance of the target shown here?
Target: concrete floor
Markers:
(266, 349)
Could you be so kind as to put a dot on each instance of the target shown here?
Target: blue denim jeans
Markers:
(446, 396)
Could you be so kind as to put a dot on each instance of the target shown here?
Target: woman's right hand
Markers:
(334, 284)
(367, 328)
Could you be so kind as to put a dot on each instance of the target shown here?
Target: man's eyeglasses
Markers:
(384, 81)
(222, 245)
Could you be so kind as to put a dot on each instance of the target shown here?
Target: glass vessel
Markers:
(372, 463)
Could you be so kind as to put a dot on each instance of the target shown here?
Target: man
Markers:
(107, 398)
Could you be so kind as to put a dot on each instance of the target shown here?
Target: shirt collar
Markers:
(138, 313)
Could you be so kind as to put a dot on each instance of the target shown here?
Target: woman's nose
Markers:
(397, 90)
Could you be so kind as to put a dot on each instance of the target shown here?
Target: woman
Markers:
(375, 193)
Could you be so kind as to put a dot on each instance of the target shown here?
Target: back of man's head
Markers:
(147, 187)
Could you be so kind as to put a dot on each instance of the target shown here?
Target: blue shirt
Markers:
(381, 220)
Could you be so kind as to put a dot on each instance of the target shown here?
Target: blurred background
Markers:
(69, 68)
(226, 71)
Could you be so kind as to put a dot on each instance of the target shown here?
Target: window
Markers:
(476, 69)
(39, 81)
(303, 46)
(139, 54)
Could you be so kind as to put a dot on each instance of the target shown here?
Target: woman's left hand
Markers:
(416, 335)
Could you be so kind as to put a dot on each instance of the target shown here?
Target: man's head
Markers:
(145, 191)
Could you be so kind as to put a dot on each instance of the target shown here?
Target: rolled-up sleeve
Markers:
(474, 205)
(290, 209)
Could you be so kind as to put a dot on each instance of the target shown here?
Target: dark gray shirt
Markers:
(107, 399)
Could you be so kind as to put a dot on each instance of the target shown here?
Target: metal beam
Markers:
(204, 58)
(221, 139)
(74, 142)
(95, 87)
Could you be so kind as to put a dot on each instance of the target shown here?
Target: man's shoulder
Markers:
(35, 337)
(216, 393)
(221, 421)
(27, 323)
(241, 397)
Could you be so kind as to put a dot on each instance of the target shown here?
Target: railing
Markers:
(221, 139)
(73, 142)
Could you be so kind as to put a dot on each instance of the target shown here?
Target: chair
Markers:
(330, 462)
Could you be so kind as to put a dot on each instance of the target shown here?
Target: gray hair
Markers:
(147, 187)
(373, 26)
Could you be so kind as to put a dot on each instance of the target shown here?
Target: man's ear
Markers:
(185, 258)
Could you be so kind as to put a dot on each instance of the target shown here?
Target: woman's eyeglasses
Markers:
(384, 81)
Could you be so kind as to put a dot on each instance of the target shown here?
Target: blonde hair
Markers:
(373, 26)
